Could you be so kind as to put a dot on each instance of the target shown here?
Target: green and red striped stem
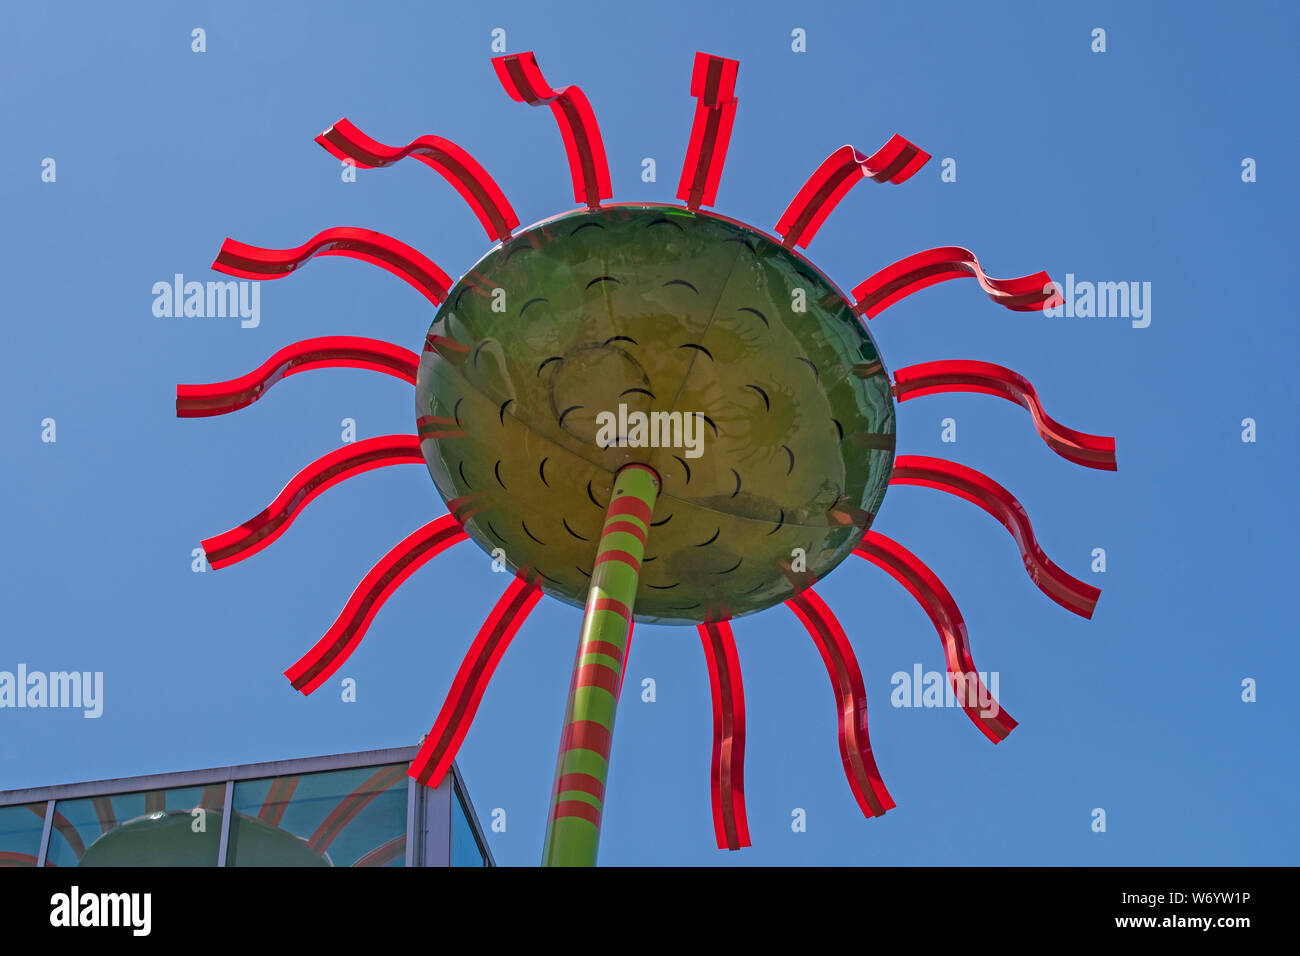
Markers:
(573, 827)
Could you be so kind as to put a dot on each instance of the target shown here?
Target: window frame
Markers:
(428, 810)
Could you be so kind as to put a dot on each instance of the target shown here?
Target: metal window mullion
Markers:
(227, 804)
(48, 825)
(413, 818)
(435, 823)
(449, 820)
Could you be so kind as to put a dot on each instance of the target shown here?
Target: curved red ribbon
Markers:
(449, 730)
(924, 585)
(962, 375)
(523, 81)
(713, 83)
(851, 697)
(344, 141)
(255, 262)
(325, 472)
(1023, 294)
(328, 654)
(895, 162)
(727, 772)
(331, 351)
(979, 489)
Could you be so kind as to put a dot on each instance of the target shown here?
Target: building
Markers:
(356, 809)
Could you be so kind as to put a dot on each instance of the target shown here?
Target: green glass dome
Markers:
(552, 364)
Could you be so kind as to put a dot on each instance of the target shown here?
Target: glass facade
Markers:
(20, 833)
(336, 818)
(466, 850)
(343, 810)
(180, 827)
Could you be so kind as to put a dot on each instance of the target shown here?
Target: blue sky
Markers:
(1115, 166)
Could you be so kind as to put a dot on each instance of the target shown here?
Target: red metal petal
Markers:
(727, 773)
(924, 585)
(255, 262)
(961, 375)
(444, 740)
(1024, 294)
(851, 696)
(331, 351)
(328, 470)
(895, 162)
(713, 83)
(523, 81)
(319, 664)
(344, 141)
(977, 488)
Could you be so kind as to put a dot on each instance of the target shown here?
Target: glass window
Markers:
(180, 827)
(20, 833)
(351, 817)
(465, 849)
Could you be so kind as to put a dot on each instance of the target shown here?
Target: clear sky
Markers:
(1117, 166)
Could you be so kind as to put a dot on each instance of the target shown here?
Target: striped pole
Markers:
(573, 827)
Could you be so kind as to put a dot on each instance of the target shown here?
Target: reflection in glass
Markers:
(180, 827)
(465, 850)
(351, 817)
(20, 834)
